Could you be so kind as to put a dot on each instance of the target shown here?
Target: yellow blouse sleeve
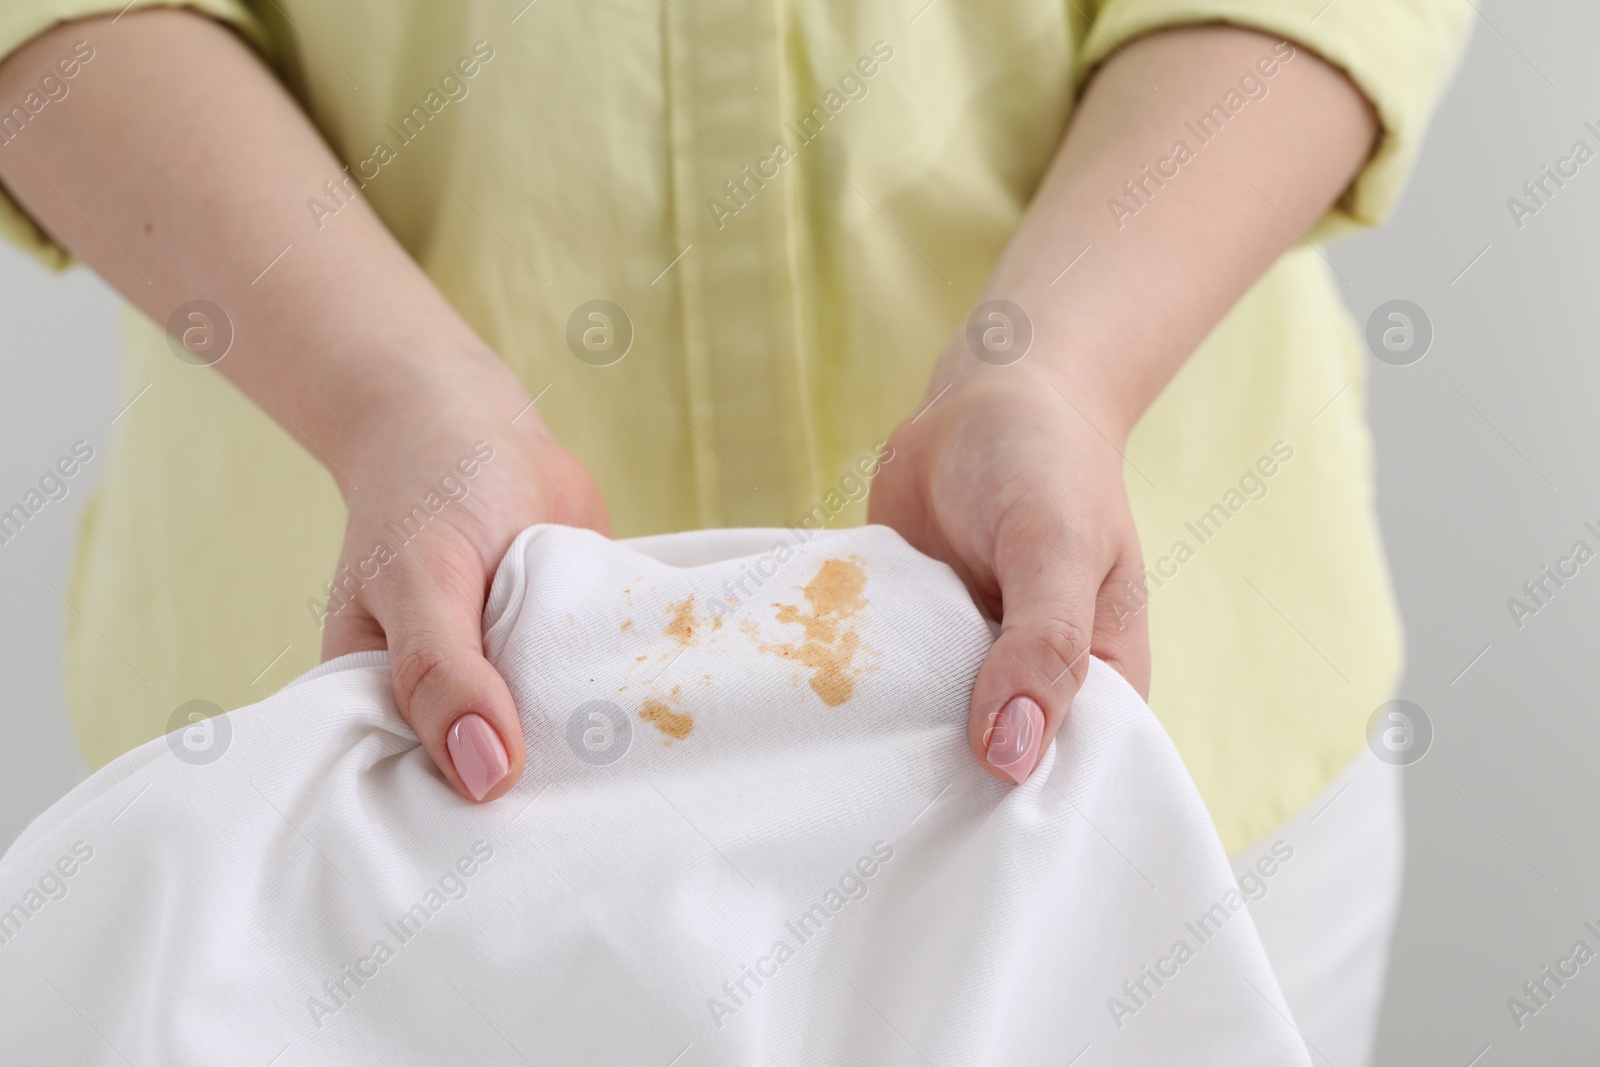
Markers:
(1400, 53)
(23, 20)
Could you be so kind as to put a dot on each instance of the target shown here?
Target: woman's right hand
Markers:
(338, 335)
(440, 481)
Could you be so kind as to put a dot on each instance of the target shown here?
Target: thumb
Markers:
(1048, 590)
(454, 699)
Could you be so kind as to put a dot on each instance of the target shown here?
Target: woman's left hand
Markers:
(1020, 490)
(1012, 474)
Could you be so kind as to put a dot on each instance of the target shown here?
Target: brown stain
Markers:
(627, 624)
(681, 626)
(671, 723)
(834, 597)
(831, 677)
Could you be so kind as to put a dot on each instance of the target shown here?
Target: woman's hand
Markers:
(445, 480)
(1014, 476)
(346, 343)
(1020, 490)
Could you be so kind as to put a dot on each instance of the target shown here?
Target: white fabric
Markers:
(609, 913)
(1327, 917)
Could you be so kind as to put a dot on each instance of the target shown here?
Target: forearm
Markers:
(1160, 271)
(178, 168)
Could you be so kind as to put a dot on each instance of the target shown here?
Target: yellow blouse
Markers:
(793, 204)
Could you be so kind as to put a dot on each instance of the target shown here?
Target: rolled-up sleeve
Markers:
(1399, 53)
(23, 20)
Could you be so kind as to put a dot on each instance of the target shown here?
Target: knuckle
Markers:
(1123, 601)
(415, 664)
(1066, 642)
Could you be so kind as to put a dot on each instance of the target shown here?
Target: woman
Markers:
(1053, 254)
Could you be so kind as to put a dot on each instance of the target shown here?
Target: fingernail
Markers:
(479, 756)
(1014, 738)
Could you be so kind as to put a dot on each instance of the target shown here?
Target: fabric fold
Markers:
(750, 832)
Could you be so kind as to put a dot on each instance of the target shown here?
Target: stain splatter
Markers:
(627, 624)
(671, 723)
(683, 623)
(830, 645)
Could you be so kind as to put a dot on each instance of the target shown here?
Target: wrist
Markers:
(1080, 385)
(401, 400)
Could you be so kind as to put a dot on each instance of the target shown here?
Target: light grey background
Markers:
(1487, 463)
(58, 384)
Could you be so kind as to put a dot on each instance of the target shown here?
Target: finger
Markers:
(348, 627)
(1121, 634)
(1048, 590)
(455, 701)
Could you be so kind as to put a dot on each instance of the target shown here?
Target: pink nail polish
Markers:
(1014, 738)
(476, 751)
